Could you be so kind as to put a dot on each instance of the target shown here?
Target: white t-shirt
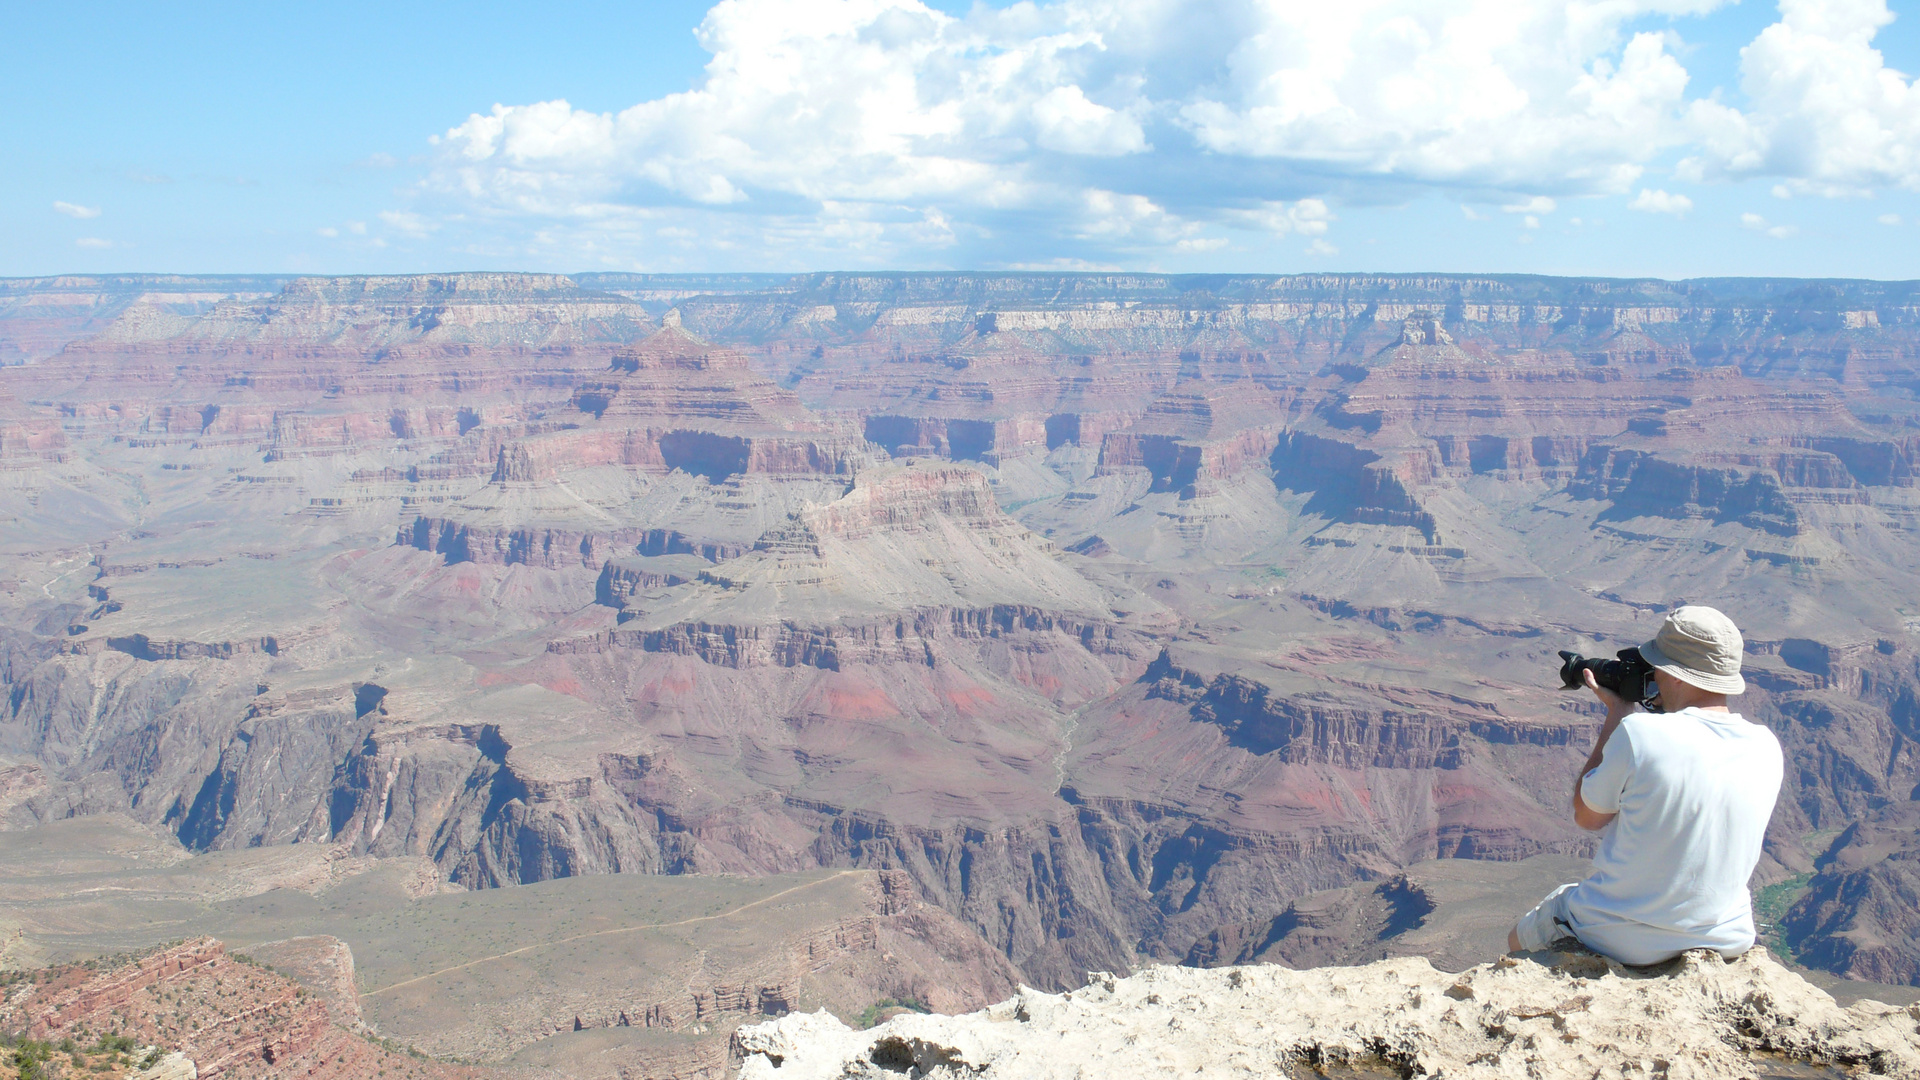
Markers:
(1693, 791)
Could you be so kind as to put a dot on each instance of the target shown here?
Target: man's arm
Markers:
(1618, 709)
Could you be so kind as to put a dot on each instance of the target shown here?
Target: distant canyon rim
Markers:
(1128, 618)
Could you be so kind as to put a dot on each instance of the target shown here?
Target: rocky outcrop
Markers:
(1321, 729)
(321, 963)
(141, 647)
(1879, 462)
(921, 637)
(221, 1015)
(620, 579)
(553, 548)
(1554, 1015)
(714, 456)
(675, 377)
(1353, 483)
(990, 442)
(1640, 483)
(1179, 465)
(28, 440)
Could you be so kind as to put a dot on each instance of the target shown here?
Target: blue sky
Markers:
(1625, 138)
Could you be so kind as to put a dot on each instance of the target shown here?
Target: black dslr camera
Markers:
(1630, 676)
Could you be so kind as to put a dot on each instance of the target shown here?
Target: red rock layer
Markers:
(233, 1019)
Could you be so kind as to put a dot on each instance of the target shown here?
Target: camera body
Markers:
(1630, 676)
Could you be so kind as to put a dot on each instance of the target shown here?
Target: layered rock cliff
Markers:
(207, 1014)
(1125, 614)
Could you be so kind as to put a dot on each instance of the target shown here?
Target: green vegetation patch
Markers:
(37, 1059)
(886, 1009)
(1771, 904)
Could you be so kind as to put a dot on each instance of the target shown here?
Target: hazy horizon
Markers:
(910, 271)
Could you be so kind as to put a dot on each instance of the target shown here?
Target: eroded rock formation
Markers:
(1123, 613)
(217, 1016)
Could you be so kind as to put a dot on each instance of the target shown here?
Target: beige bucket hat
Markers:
(1699, 645)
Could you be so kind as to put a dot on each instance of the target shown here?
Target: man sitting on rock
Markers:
(1682, 798)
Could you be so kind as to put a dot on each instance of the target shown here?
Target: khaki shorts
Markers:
(1547, 923)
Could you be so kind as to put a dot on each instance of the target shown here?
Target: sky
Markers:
(1669, 138)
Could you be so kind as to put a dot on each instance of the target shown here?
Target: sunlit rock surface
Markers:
(1544, 1017)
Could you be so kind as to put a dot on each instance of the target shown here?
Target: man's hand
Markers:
(1617, 707)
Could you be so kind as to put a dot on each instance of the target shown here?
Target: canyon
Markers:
(1113, 619)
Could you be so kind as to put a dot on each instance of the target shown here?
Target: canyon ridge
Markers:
(1097, 621)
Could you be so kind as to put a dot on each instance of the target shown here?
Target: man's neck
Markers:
(1702, 701)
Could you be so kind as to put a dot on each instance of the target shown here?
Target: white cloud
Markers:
(74, 210)
(1321, 247)
(1514, 95)
(866, 99)
(1825, 113)
(1009, 123)
(1655, 201)
(1065, 120)
(1760, 224)
(1308, 217)
(92, 242)
(1539, 204)
(1103, 131)
(406, 222)
(1888, 219)
(1110, 215)
(328, 231)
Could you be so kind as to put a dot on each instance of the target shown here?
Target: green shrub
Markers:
(31, 1057)
(871, 1014)
(114, 1044)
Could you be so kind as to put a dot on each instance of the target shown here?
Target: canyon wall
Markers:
(1119, 613)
